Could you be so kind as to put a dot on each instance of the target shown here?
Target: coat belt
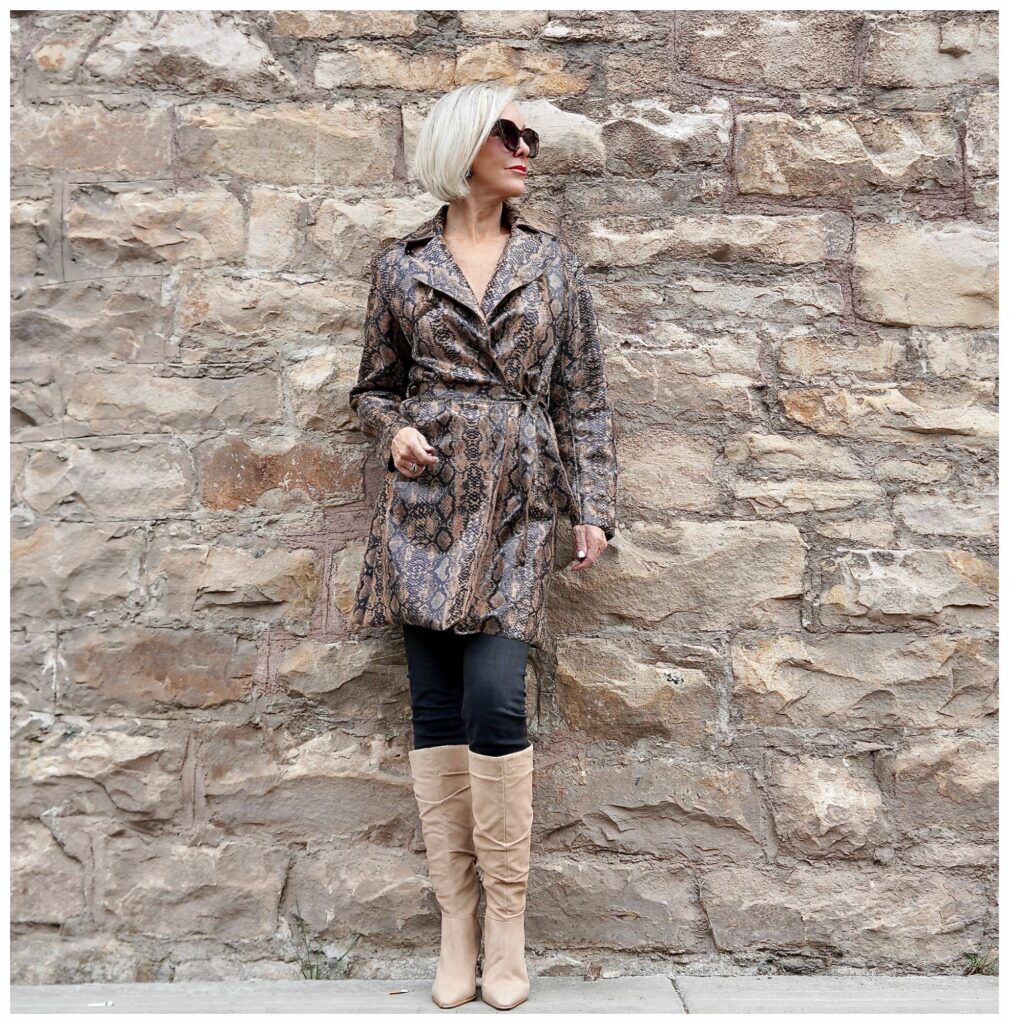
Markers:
(529, 404)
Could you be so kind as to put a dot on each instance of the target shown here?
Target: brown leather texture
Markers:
(511, 393)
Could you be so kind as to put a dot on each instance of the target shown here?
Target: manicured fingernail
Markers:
(581, 554)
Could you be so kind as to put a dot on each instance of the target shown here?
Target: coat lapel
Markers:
(522, 261)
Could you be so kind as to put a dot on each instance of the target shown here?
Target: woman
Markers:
(483, 379)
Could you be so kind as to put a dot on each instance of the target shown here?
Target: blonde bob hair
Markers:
(452, 134)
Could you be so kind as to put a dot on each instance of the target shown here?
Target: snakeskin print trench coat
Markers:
(511, 393)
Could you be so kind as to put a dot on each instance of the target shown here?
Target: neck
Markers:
(471, 219)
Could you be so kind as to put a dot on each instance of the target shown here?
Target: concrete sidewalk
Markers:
(651, 994)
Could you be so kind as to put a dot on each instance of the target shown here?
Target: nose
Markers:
(523, 147)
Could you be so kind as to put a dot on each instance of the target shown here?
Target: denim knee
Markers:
(434, 669)
(494, 701)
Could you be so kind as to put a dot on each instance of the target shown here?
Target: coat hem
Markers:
(367, 621)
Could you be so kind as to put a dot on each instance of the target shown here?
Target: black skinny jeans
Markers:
(467, 688)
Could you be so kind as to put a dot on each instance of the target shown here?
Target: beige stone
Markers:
(956, 515)
(378, 67)
(924, 585)
(276, 473)
(338, 25)
(776, 50)
(122, 479)
(344, 142)
(936, 274)
(983, 200)
(596, 26)
(871, 914)
(602, 689)
(946, 782)
(652, 383)
(52, 957)
(719, 575)
(775, 497)
(137, 671)
(92, 141)
(638, 72)
(347, 234)
(318, 386)
(795, 299)
(46, 884)
(856, 682)
(648, 136)
(682, 812)
(84, 324)
(826, 807)
(134, 399)
(640, 906)
(275, 228)
(781, 453)
(35, 402)
(104, 771)
(784, 239)
(808, 353)
(704, 353)
(957, 352)
(366, 889)
(32, 681)
(518, 24)
(670, 471)
(859, 532)
(32, 237)
(931, 52)
(941, 852)
(844, 155)
(67, 570)
(220, 318)
(537, 72)
(353, 681)
(165, 888)
(330, 787)
(67, 37)
(141, 231)
(982, 133)
(193, 51)
(908, 413)
(230, 583)
(925, 471)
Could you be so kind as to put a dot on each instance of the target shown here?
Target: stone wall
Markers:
(766, 733)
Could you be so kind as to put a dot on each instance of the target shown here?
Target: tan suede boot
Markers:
(502, 795)
(441, 785)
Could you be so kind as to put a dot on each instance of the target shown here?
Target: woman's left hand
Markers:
(590, 541)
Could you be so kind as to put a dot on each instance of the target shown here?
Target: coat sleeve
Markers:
(384, 371)
(580, 410)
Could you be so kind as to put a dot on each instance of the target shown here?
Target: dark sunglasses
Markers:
(508, 132)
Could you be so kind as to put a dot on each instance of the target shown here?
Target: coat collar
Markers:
(523, 259)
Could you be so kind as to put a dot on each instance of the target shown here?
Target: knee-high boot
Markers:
(441, 784)
(503, 814)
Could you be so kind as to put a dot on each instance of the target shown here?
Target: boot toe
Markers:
(504, 996)
(449, 995)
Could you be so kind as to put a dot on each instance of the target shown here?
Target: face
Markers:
(493, 176)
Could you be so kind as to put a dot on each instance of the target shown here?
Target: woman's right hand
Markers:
(411, 453)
